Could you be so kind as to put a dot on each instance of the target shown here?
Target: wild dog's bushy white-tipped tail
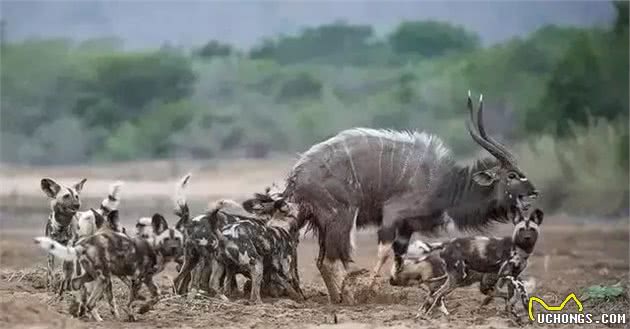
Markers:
(112, 201)
(57, 249)
(180, 191)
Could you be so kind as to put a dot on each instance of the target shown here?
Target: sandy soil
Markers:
(568, 258)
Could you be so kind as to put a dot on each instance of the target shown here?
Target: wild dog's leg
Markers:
(283, 281)
(135, 286)
(155, 295)
(181, 284)
(50, 267)
(95, 296)
(230, 276)
(218, 270)
(68, 269)
(487, 286)
(204, 277)
(111, 299)
(437, 295)
(256, 271)
(442, 307)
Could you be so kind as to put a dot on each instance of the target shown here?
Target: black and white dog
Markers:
(442, 267)
(263, 251)
(108, 253)
(66, 224)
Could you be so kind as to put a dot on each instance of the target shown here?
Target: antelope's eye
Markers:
(512, 175)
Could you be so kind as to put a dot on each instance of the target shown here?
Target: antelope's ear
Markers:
(281, 205)
(159, 223)
(485, 178)
(79, 186)
(537, 216)
(50, 187)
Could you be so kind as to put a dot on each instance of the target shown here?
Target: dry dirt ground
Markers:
(570, 256)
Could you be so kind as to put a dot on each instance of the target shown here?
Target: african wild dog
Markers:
(66, 223)
(198, 249)
(133, 259)
(464, 261)
(260, 250)
(61, 224)
(86, 224)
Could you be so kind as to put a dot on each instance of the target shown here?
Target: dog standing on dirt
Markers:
(134, 260)
(66, 224)
(61, 224)
(260, 250)
(464, 261)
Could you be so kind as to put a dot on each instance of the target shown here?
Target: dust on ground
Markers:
(568, 257)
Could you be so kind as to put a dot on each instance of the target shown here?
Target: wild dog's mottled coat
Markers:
(464, 261)
(134, 260)
(260, 251)
(62, 221)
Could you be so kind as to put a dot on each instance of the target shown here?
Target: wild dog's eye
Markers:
(66, 197)
(512, 175)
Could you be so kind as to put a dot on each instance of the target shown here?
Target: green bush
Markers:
(581, 174)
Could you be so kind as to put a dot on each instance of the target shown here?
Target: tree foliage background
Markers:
(81, 102)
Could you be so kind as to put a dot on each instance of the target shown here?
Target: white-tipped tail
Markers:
(180, 191)
(57, 249)
(112, 201)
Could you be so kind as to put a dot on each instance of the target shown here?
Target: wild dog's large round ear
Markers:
(50, 187)
(159, 223)
(113, 218)
(79, 186)
(252, 205)
(98, 218)
(537, 216)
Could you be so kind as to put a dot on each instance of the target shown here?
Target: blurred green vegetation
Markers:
(560, 95)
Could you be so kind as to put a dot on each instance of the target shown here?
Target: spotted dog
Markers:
(61, 224)
(66, 223)
(199, 240)
(155, 229)
(134, 260)
(442, 267)
(260, 250)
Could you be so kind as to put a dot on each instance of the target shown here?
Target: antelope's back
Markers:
(361, 167)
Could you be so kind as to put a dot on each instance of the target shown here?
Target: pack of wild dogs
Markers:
(401, 182)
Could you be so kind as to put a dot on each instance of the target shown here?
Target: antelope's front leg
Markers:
(385, 237)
